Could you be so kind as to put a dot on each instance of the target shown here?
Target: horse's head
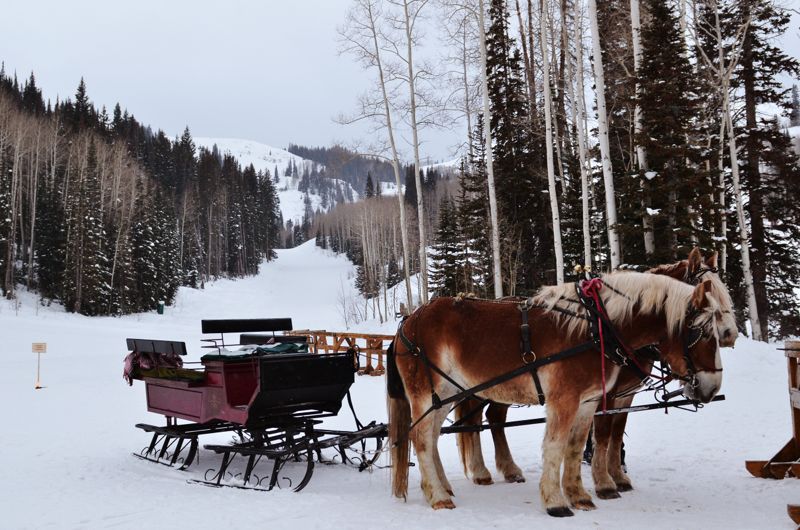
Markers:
(694, 270)
(693, 355)
(700, 270)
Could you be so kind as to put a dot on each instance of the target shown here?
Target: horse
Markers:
(450, 344)
(607, 469)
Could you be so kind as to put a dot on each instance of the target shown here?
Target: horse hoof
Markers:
(584, 504)
(561, 511)
(515, 478)
(624, 486)
(443, 505)
(482, 481)
(607, 494)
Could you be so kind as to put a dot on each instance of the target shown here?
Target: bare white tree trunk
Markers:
(605, 151)
(641, 155)
(365, 44)
(721, 206)
(724, 73)
(33, 191)
(744, 236)
(412, 94)
(465, 80)
(487, 120)
(548, 136)
(578, 118)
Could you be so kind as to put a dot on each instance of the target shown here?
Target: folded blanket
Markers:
(255, 351)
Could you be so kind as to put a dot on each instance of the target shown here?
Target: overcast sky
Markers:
(261, 70)
(265, 70)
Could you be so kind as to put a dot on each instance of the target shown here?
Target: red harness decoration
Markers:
(591, 289)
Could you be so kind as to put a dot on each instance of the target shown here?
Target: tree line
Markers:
(107, 217)
(675, 151)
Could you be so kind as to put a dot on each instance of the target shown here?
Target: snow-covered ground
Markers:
(66, 455)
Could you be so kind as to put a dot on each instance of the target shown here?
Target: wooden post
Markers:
(39, 348)
(786, 461)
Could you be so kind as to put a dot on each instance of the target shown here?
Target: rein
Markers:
(609, 342)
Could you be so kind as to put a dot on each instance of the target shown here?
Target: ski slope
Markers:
(67, 461)
(265, 158)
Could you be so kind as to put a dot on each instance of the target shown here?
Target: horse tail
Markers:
(464, 440)
(399, 424)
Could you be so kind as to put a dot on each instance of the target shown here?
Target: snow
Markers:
(264, 158)
(390, 188)
(650, 175)
(67, 460)
(446, 166)
(653, 211)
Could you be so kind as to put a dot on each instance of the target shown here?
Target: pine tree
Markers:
(369, 190)
(51, 237)
(393, 274)
(410, 194)
(761, 65)
(473, 219)
(677, 187)
(82, 110)
(521, 182)
(32, 97)
(446, 267)
(93, 273)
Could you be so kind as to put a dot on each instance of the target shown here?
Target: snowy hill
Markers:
(267, 158)
(67, 448)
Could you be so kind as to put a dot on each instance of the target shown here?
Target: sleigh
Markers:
(268, 390)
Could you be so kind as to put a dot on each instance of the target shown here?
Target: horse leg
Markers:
(469, 412)
(619, 421)
(425, 437)
(441, 415)
(604, 485)
(560, 417)
(497, 413)
(573, 484)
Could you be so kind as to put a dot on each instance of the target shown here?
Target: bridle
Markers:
(694, 278)
(613, 348)
(695, 334)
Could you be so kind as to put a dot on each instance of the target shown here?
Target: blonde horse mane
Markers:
(718, 289)
(625, 294)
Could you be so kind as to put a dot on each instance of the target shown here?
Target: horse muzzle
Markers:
(704, 386)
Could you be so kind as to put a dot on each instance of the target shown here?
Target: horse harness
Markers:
(603, 337)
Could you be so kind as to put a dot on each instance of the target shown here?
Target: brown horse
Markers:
(470, 342)
(607, 470)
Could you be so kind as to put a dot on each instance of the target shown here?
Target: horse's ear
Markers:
(695, 260)
(711, 261)
(699, 300)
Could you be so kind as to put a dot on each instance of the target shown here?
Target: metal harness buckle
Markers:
(526, 359)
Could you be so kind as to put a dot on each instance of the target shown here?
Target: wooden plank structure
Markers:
(794, 512)
(786, 461)
(367, 344)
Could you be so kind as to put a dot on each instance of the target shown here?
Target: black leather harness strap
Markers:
(528, 356)
(417, 351)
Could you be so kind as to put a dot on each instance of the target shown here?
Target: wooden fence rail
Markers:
(368, 345)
